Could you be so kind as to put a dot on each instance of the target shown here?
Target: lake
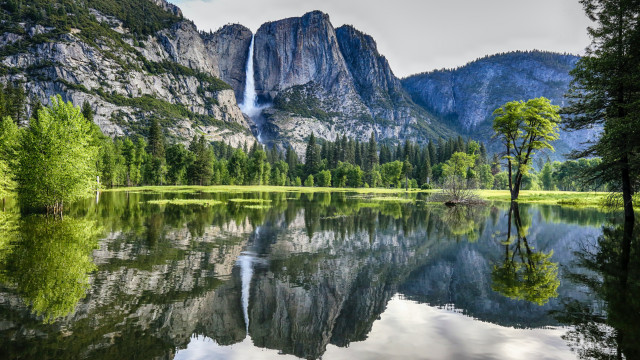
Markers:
(247, 275)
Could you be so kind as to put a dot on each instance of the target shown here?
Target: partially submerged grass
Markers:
(572, 198)
(391, 199)
(257, 207)
(200, 202)
(257, 201)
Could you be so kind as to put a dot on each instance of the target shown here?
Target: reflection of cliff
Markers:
(329, 288)
(459, 274)
(152, 291)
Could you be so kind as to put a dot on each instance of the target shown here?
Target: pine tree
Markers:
(372, 153)
(312, 156)
(606, 90)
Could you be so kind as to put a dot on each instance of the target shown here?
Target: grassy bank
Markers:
(249, 188)
(571, 198)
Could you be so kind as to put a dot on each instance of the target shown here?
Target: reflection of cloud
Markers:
(408, 330)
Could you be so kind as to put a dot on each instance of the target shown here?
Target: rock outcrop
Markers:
(230, 45)
(173, 74)
(332, 82)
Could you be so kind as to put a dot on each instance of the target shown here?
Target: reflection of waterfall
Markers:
(246, 273)
(249, 104)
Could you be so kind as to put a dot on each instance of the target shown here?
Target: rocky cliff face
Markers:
(332, 82)
(230, 46)
(466, 97)
(173, 74)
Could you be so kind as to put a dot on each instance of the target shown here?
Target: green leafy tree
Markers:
(372, 154)
(57, 159)
(546, 176)
(178, 161)
(9, 144)
(606, 92)
(406, 170)
(523, 128)
(309, 181)
(257, 164)
(237, 167)
(485, 176)
(391, 173)
(455, 172)
(323, 178)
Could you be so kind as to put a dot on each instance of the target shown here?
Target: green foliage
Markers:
(323, 178)
(50, 263)
(300, 100)
(524, 128)
(534, 279)
(9, 144)
(142, 17)
(606, 92)
(524, 274)
(57, 159)
(546, 177)
(309, 181)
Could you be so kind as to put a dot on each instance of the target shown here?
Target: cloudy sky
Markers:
(421, 35)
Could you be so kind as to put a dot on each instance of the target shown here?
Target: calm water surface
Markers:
(331, 275)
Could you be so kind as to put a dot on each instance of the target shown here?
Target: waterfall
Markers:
(249, 104)
(246, 273)
(250, 100)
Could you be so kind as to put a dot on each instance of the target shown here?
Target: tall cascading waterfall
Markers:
(250, 97)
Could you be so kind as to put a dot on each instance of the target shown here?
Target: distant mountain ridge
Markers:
(466, 97)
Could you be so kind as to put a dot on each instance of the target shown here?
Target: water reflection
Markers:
(308, 275)
(525, 274)
(607, 326)
(47, 261)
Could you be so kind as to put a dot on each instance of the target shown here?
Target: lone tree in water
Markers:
(57, 158)
(524, 127)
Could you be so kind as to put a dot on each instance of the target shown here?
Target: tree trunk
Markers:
(627, 192)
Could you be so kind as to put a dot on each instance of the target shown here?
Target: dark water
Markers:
(337, 276)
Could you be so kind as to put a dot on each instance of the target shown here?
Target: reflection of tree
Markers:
(524, 274)
(609, 328)
(50, 263)
(465, 220)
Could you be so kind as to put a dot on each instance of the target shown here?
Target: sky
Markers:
(421, 35)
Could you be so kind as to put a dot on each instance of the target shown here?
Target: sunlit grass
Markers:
(572, 198)
(201, 202)
(258, 201)
(257, 207)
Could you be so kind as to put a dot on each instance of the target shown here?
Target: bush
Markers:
(309, 181)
